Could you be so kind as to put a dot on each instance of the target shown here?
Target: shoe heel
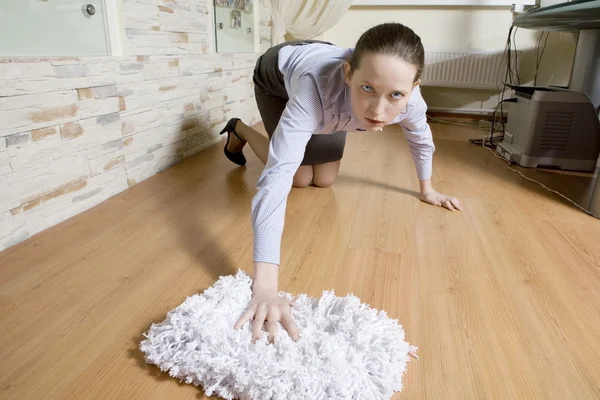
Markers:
(236, 158)
(230, 127)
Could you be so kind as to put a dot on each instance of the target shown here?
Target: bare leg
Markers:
(303, 176)
(258, 142)
(326, 174)
(260, 145)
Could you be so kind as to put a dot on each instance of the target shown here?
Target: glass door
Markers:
(53, 28)
(234, 26)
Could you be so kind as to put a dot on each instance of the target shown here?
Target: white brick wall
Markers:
(77, 131)
(35, 111)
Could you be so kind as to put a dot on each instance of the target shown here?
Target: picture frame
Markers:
(243, 5)
(236, 19)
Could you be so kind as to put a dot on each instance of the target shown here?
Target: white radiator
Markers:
(467, 68)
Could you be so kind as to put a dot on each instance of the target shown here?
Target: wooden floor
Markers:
(502, 299)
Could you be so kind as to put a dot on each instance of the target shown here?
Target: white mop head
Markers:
(346, 350)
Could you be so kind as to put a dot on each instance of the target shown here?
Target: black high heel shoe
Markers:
(237, 158)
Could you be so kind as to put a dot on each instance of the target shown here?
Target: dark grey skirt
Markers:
(271, 99)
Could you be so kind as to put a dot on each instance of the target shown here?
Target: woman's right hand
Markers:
(270, 307)
(267, 305)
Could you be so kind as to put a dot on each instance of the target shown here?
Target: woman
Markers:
(309, 94)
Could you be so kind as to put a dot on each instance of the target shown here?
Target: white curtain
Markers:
(305, 19)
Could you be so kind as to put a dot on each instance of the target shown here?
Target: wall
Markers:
(459, 28)
(77, 131)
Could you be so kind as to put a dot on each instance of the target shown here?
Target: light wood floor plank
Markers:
(502, 299)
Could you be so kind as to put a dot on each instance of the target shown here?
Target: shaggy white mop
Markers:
(346, 350)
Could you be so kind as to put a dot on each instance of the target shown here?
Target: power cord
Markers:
(538, 58)
(514, 43)
(510, 74)
(508, 165)
(489, 142)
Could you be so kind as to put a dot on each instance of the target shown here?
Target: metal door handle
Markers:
(90, 9)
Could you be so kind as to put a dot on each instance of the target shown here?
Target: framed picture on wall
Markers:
(244, 5)
(247, 5)
(236, 19)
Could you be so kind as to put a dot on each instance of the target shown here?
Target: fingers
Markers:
(453, 204)
(448, 205)
(259, 321)
(247, 316)
(456, 203)
(271, 314)
(272, 327)
(440, 200)
(432, 200)
(290, 326)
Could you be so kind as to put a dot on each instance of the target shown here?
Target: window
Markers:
(61, 28)
(235, 22)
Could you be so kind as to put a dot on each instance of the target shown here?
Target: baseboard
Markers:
(464, 113)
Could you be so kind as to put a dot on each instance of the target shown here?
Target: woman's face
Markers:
(379, 88)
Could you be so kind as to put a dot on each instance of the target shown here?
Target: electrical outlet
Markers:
(521, 8)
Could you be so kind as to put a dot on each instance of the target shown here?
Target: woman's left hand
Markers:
(436, 198)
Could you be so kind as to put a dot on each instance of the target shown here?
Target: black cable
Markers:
(509, 72)
(489, 142)
(507, 55)
(508, 52)
(514, 42)
(537, 56)
(539, 59)
(512, 76)
(512, 59)
(508, 76)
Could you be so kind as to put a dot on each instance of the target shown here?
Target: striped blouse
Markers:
(318, 104)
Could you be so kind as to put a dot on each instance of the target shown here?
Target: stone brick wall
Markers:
(77, 131)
